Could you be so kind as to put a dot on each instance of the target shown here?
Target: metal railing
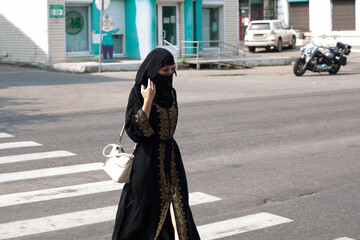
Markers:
(173, 49)
(218, 51)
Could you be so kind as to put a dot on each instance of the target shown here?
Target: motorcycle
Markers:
(316, 61)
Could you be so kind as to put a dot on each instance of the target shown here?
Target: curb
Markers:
(274, 61)
(249, 61)
(87, 67)
(94, 67)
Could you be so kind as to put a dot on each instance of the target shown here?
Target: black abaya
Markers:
(158, 176)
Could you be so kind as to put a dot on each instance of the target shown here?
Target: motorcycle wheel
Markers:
(298, 67)
(335, 69)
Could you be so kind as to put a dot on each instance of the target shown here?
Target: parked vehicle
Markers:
(269, 34)
(316, 61)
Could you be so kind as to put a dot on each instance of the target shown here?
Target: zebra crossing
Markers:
(5, 135)
(40, 225)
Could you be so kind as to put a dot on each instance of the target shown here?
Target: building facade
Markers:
(331, 18)
(50, 31)
(340, 18)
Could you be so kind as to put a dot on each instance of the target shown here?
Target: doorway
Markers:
(168, 24)
(211, 26)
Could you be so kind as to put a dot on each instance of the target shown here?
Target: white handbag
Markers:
(118, 164)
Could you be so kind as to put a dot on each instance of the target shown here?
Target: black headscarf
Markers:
(156, 59)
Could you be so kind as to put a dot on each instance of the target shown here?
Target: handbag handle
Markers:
(122, 133)
(121, 136)
(106, 148)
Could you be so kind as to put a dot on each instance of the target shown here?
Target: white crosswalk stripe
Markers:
(5, 135)
(57, 222)
(35, 156)
(240, 225)
(199, 198)
(19, 144)
(57, 193)
(74, 219)
(48, 172)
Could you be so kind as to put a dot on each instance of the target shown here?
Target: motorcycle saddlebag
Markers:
(347, 50)
(343, 61)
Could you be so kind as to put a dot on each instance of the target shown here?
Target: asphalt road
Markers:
(261, 140)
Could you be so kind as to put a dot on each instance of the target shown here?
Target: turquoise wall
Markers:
(198, 20)
(188, 20)
(95, 21)
(140, 28)
(131, 36)
(188, 25)
(192, 22)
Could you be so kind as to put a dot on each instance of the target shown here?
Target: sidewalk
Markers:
(257, 59)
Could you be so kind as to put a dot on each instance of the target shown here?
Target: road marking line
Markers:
(5, 135)
(344, 238)
(35, 156)
(240, 225)
(57, 222)
(65, 221)
(19, 144)
(57, 193)
(47, 172)
(197, 198)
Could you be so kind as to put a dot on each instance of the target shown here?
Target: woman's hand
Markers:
(149, 92)
(148, 95)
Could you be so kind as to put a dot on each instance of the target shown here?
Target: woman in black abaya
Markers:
(158, 178)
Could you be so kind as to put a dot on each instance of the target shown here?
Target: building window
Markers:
(254, 10)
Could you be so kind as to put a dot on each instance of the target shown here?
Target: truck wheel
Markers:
(279, 46)
(251, 49)
(293, 42)
(299, 67)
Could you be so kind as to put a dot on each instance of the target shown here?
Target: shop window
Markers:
(77, 36)
(269, 12)
(211, 26)
(254, 10)
(116, 10)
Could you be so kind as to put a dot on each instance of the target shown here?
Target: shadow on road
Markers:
(11, 118)
(313, 74)
(9, 77)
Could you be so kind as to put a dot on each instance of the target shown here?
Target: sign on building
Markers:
(56, 11)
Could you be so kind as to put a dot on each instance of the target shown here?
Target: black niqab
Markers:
(156, 59)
